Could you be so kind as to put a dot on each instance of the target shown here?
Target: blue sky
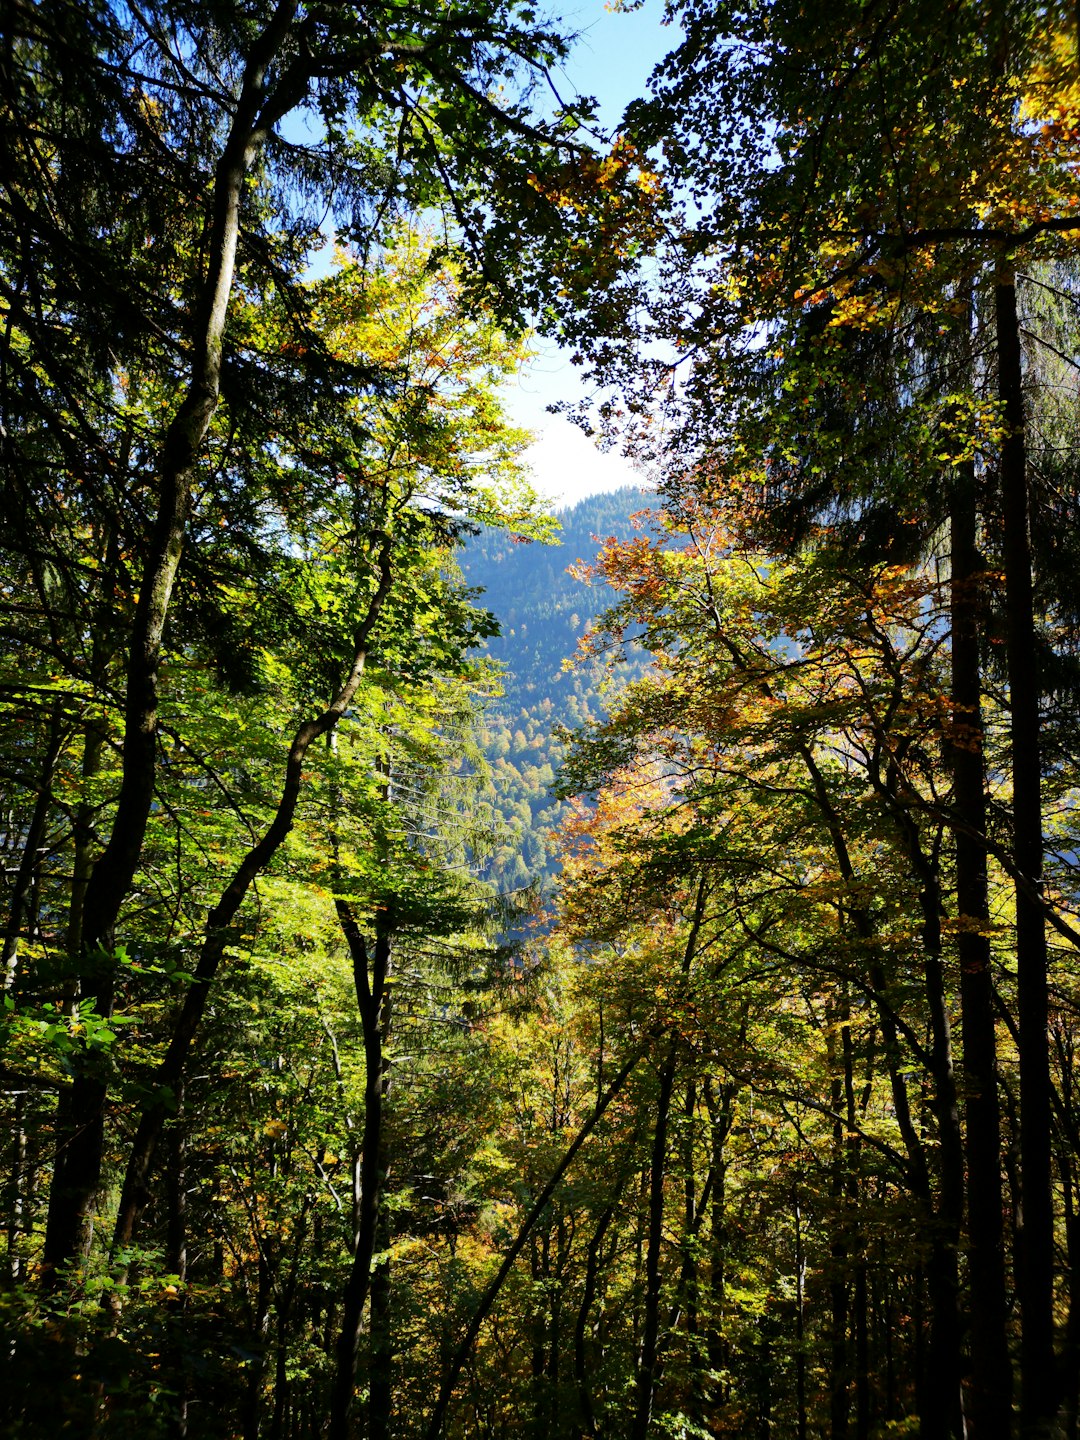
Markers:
(612, 61)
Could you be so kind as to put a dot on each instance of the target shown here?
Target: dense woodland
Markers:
(316, 1118)
(523, 733)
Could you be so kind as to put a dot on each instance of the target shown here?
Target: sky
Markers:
(612, 61)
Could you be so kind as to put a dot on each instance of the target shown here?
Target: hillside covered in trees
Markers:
(546, 689)
(767, 1122)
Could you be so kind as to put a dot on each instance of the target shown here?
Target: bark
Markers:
(862, 1354)
(648, 1353)
(647, 1359)
(588, 1296)
(176, 1264)
(461, 1355)
(989, 1403)
(133, 1195)
(80, 1119)
(540, 1265)
(370, 974)
(380, 1403)
(1037, 1374)
(800, 1323)
(839, 1369)
(1069, 1359)
(839, 1296)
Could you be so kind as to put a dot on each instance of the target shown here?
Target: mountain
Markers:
(542, 612)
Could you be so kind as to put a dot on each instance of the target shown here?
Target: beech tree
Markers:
(843, 291)
(352, 576)
(179, 102)
(773, 1126)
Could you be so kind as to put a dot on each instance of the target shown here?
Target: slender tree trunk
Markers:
(720, 1108)
(690, 1279)
(81, 1115)
(176, 1264)
(170, 1072)
(538, 1322)
(1037, 1376)
(989, 1407)
(800, 1322)
(646, 1372)
(253, 1398)
(839, 1373)
(862, 1351)
(380, 1369)
(1069, 1360)
(286, 1304)
(1070, 1357)
(30, 859)
(588, 1420)
(371, 977)
(461, 1355)
(944, 1414)
(846, 1239)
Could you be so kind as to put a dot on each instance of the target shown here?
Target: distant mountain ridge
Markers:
(542, 612)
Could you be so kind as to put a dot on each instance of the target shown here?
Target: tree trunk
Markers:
(380, 1382)
(176, 1264)
(646, 1371)
(800, 1322)
(588, 1295)
(1069, 1360)
(721, 1116)
(371, 995)
(1037, 1378)
(170, 1072)
(989, 1406)
(81, 1115)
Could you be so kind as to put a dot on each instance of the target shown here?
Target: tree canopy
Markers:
(660, 1018)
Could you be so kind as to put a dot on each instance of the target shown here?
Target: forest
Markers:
(657, 1019)
(523, 733)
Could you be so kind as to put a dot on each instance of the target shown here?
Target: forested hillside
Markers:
(547, 690)
(767, 1123)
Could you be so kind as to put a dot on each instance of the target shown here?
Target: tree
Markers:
(174, 102)
(842, 290)
(816, 691)
(350, 574)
